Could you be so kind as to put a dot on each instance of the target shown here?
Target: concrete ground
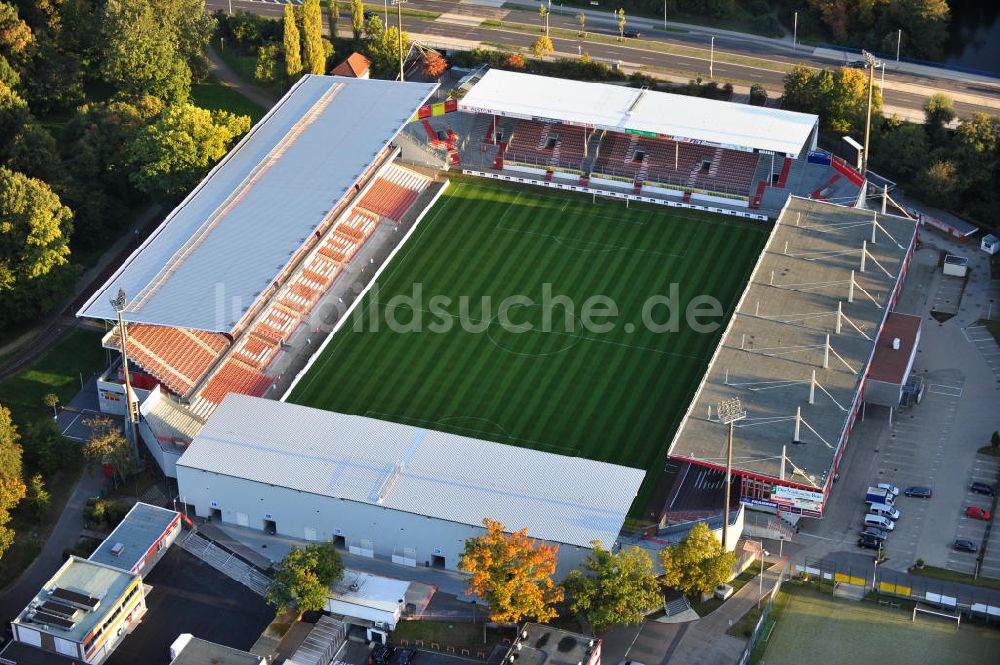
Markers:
(189, 596)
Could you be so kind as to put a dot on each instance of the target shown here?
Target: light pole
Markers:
(763, 553)
(119, 302)
(385, 8)
(899, 41)
(711, 59)
(664, 14)
(795, 30)
(872, 62)
(878, 557)
(730, 411)
(399, 35)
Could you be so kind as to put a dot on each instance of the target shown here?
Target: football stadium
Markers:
(515, 298)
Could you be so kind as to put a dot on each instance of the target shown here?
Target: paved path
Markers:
(228, 78)
(66, 532)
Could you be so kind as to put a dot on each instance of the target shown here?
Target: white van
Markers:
(885, 510)
(880, 522)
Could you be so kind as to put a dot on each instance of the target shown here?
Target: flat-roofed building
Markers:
(83, 612)
(538, 644)
(190, 650)
(140, 539)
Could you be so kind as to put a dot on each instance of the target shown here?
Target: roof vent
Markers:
(895, 344)
(354, 587)
(117, 549)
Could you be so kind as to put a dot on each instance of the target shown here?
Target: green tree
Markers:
(15, 34)
(621, 23)
(382, 46)
(512, 573)
(758, 95)
(303, 578)
(12, 488)
(13, 115)
(38, 497)
(926, 19)
(357, 18)
(939, 109)
(141, 55)
(34, 242)
(268, 62)
(45, 449)
(292, 44)
(697, 564)
(839, 98)
(901, 149)
(542, 47)
(543, 12)
(314, 59)
(582, 20)
(940, 184)
(107, 445)
(171, 155)
(614, 588)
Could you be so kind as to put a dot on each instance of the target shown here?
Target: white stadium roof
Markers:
(569, 500)
(235, 233)
(623, 109)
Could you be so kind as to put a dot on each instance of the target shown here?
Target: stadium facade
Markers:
(221, 300)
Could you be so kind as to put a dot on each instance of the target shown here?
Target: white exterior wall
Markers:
(297, 514)
(166, 460)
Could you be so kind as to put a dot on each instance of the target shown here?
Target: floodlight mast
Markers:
(871, 63)
(118, 303)
(730, 411)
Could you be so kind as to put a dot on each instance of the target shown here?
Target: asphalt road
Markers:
(916, 87)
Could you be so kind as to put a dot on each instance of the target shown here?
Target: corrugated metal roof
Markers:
(564, 499)
(619, 108)
(140, 530)
(241, 226)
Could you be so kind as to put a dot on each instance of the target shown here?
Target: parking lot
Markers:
(984, 470)
(982, 339)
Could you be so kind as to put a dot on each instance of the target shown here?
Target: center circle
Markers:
(543, 338)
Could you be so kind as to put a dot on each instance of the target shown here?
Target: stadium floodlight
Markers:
(118, 303)
(871, 63)
(399, 36)
(730, 411)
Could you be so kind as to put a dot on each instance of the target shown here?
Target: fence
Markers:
(762, 622)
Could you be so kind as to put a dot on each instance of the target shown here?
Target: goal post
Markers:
(956, 616)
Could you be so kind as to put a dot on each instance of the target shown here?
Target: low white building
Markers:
(393, 491)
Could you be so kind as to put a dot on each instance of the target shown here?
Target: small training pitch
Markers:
(529, 373)
(815, 627)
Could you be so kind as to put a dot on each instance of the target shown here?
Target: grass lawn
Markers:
(844, 631)
(244, 66)
(57, 372)
(613, 395)
(31, 533)
(213, 95)
(936, 573)
(710, 605)
(459, 634)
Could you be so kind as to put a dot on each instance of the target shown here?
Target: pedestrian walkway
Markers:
(228, 78)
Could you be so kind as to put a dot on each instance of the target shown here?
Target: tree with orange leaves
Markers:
(512, 574)
(434, 64)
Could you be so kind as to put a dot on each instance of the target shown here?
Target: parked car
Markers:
(368, 13)
(879, 522)
(857, 64)
(405, 656)
(380, 655)
(884, 509)
(977, 513)
(918, 491)
(631, 34)
(875, 532)
(868, 542)
(889, 487)
(983, 488)
(879, 495)
(963, 545)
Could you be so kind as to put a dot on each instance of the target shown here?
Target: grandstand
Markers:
(633, 142)
(220, 289)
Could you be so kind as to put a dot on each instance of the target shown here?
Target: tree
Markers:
(45, 449)
(314, 60)
(901, 149)
(382, 45)
(12, 488)
(38, 497)
(621, 23)
(758, 95)
(940, 183)
(512, 574)
(303, 578)
(926, 18)
(33, 245)
(582, 18)
(107, 445)
(839, 98)
(141, 54)
(292, 44)
(614, 589)
(170, 156)
(433, 64)
(995, 440)
(357, 18)
(697, 564)
(332, 14)
(515, 61)
(543, 12)
(15, 34)
(268, 57)
(542, 47)
(939, 109)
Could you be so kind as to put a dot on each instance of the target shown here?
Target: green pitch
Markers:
(612, 395)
